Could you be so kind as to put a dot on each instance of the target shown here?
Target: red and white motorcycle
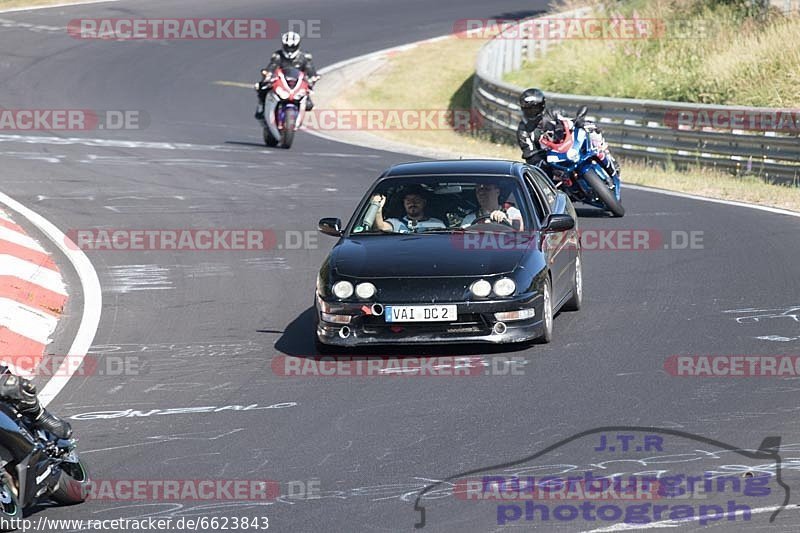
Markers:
(285, 106)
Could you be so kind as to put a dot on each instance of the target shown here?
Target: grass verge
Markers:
(419, 79)
(20, 4)
(705, 51)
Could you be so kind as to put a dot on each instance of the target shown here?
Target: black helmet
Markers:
(532, 102)
(291, 44)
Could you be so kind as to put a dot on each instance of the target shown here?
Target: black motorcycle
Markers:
(36, 466)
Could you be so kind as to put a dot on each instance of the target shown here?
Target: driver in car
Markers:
(489, 210)
(414, 202)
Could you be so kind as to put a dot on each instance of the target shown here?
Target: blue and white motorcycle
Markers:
(579, 162)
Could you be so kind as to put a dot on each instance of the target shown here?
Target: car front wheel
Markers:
(547, 313)
(575, 303)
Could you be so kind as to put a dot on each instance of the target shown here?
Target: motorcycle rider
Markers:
(289, 56)
(21, 393)
(532, 102)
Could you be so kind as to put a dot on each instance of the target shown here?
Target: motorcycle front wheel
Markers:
(605, 194)
(287, 134)
(73, 483)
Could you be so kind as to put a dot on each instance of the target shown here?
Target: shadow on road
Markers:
(298, 340)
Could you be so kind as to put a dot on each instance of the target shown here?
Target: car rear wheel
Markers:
(575, 303)
(547, 313)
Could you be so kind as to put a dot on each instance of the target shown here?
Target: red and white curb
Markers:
(33, 295)
(32, 298)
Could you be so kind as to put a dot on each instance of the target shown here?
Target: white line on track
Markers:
(768, 209)
(116, 143)
(92, 298)
(51, 6)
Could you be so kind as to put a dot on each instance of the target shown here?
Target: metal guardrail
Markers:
(638, 129)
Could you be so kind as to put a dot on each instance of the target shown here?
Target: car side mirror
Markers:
(559, 223)
(331, 226)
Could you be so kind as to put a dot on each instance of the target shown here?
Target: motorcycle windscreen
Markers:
(291, 75)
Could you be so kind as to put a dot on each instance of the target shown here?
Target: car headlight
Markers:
(504, 287)
(481, 288)
(365, 290)
(343, 289)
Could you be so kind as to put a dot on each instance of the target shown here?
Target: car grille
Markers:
(467, 323)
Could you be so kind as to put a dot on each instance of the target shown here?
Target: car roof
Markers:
(456, 166)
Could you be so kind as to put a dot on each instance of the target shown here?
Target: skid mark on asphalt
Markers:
(133, 278)
(173, 411)
(267, 263)
(181, 349)
(205, 270)
(777, 338)
(785, 318)
(9, 24)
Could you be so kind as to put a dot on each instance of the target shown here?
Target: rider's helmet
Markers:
(291, 44)
(532, 102)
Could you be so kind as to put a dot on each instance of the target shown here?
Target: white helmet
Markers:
(291, 44)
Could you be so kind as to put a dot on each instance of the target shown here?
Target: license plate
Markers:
(420, 313)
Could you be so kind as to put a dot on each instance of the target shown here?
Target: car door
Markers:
(558, 247)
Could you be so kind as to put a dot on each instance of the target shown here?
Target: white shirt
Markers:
(403, 225)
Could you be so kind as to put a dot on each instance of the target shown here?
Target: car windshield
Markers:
(443, 204)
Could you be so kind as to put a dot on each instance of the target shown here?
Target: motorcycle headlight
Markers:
(365, 290)
(343, 289)
(573, 155)
(481, 288)
(504, 287)
(282, 93)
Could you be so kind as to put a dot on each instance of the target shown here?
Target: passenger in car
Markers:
(414, 202)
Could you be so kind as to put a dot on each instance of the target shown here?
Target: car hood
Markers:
(431, 255)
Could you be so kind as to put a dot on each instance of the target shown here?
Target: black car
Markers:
(450, 252)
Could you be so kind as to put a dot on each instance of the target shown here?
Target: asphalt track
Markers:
(205, 326)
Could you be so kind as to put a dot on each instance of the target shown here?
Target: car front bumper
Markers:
(475, 324)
